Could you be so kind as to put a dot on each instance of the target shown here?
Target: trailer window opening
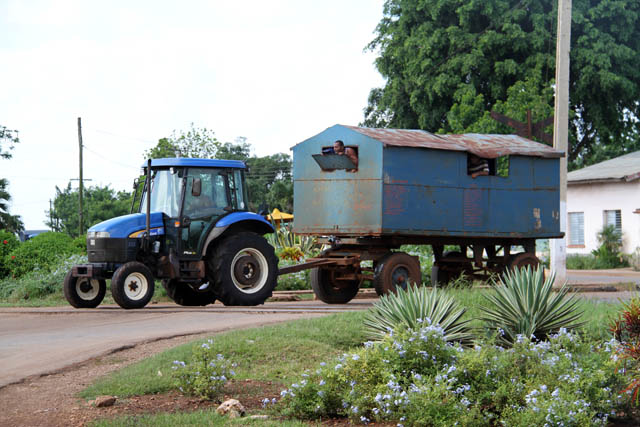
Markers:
(338, 157)
(480, 166)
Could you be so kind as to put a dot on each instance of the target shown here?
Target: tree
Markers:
(8, 222)
(448, 63)
(99, 204)
(196, 143)
(269, 180)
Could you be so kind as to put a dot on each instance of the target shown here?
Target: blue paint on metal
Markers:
(235, 217)
(199, 163)
(123, 226)
(403, 190)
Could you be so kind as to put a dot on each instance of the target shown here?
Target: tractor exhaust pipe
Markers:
(148, 213)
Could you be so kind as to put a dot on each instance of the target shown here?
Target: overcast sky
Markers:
(275, 72)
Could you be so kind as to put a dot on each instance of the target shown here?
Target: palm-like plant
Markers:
(412, 308)
(524, 304)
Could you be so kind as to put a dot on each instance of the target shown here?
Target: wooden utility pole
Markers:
(81, 182)
(561, 133)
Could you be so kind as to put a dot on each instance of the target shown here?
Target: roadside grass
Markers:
(56, 299)
(276, 353)
(198, 418)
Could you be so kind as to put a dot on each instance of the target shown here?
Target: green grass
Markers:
(198, 418)
(271, 353)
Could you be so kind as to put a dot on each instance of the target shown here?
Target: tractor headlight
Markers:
(98, 234)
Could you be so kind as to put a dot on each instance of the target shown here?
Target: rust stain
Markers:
(395, 199)
(536, 216)
(488, 146)
(472, 206)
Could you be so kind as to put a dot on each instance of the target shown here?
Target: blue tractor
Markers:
(192, 230)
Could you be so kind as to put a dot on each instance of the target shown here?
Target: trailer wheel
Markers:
(83, 292)
(183, 294)
(524, 260)
(396, 270)
(132, 285)
(330, 290)
(245, 269)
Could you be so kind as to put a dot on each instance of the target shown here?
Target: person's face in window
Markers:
(338, 148)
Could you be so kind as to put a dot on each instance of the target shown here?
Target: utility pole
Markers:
(561, 133)
(81, 182)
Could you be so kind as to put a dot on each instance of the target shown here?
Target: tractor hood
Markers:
(132, 225)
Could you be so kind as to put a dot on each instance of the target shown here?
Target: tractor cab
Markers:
(192, 195)
(192, 230)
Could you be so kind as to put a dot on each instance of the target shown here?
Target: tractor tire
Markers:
(132, 285)
(396, 270)
(83, 292)
(245, 269)
(183, 294)
(332, 291)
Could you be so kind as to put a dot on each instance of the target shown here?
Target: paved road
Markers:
(41, 340)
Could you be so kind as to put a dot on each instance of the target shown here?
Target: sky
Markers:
(275, 72)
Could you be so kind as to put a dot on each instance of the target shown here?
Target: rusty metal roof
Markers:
(483, 145)
(623, 168)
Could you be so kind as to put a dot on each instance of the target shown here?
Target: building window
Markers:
(576, 228)
(613, 218)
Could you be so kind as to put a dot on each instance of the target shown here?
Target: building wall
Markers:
(593, 200)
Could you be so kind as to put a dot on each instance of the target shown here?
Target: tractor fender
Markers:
(237, 222)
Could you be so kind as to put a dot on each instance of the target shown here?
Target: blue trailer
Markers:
(485, 194)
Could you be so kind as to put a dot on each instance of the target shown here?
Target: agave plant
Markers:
(415, 306)
(524, 304)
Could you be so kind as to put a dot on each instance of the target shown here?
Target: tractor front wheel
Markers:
(83, 292)
(132, 285)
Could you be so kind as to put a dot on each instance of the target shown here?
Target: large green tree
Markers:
(448, 63)
(99, 204)
(269, 180)
(12, 223)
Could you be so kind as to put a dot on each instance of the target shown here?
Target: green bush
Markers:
(8, 243)
(414, 377)
(39, 283)
(205, 375)
(581, 262)
(609, 253)
(80, 244)
(524, 304)
(41, 253)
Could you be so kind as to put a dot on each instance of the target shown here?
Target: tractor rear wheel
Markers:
(183, 294)
(132, 285)
(83, 292)
(245, 269)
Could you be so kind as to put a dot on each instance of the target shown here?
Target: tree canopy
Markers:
(9, 222)
(99, 204)
(448, 63)
(268, 178)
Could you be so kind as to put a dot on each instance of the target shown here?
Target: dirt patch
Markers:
(50, 400)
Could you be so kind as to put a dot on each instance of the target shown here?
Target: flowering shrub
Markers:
(206, 374)
(627, 330)
(414, 377)
(8, 242)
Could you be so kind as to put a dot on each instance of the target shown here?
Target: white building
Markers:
(607, 193)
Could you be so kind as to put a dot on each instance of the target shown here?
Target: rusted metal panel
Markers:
(482, 145)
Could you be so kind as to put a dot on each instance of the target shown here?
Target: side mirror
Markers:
(135, 183)
(196, 188)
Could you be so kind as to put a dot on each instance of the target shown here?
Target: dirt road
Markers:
(36, 341)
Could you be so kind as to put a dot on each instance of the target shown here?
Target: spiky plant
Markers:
(524, 304)
(415, 307)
